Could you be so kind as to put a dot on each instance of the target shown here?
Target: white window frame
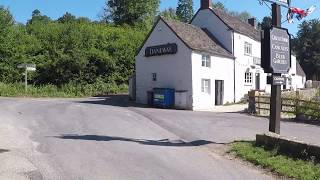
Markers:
(206, 61)
(206, 86)
(247, 49)
(248, 78)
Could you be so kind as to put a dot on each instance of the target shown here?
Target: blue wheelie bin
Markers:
(163, 97)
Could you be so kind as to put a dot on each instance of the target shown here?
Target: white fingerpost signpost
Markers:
(27, 67)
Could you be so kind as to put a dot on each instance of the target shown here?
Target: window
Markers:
(248, 78)
(247, 48)
(154, 76)
(205, 86)
(206, 61)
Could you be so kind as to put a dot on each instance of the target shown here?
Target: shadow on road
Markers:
(3, 150)
(163, 142)
(114, 100)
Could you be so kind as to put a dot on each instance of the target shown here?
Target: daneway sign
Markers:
(276, 51)
(161, 50)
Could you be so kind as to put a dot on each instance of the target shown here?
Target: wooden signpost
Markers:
(276, 59)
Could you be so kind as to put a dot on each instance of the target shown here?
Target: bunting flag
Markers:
(300, 13)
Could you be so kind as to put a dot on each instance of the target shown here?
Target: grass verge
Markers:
(65, 91)
(280, 164)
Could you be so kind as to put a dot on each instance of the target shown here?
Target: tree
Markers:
(67, 18)
(130, 12)
(307, 48)
(266, 22)
(219, 5)
(38, 17)
(243, 16)
(169, 13)
(185, 10)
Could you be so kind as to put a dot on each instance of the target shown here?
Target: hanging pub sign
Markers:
(276, 51)
(284, 3)
(161, 50)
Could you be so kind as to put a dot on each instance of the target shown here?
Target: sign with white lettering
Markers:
(161, 50)
(278, 80)
(276, 51)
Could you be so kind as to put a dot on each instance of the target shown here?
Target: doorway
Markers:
(257, 81)
(219, 92)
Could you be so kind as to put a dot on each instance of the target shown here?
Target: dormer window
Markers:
(206, 61)
(247, 49)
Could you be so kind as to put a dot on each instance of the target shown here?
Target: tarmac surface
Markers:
(109, 138)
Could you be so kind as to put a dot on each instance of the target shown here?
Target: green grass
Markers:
(66, 91)
(281, 164)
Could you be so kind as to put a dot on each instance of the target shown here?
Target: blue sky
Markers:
(22, 9)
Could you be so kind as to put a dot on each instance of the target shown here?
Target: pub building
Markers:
(213, 60)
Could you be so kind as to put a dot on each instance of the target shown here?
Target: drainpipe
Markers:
(234, 72)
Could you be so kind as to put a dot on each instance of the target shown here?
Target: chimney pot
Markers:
(206, 4)
(252, 22)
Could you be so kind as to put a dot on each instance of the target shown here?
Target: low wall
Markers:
(288, 146)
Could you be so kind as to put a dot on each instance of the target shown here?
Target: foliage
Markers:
(131, 12)
(69, 50)
(185, 10)
(169, 13)
(67, 90)
(307, 47)
(280, 164)
(219, 5)
(266, 22)
(243, 16)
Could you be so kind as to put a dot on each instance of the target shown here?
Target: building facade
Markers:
(216, 59)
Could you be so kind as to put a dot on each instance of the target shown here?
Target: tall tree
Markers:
(38, 17)
(130, 12)
(307, 48)
(169, 13)
(185, 10)
(218, 5)
(67, 18)
(266, 22)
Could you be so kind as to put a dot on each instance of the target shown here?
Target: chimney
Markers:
(252, 22)
(206, 4)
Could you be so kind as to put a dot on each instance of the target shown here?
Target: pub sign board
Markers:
(276, 50)
(160, 50)
(285, 3)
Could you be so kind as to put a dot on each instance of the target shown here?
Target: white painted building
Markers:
(217, 59)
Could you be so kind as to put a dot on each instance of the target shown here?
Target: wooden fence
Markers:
(290, 106)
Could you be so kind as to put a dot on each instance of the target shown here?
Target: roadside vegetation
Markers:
(67, 91)
(278, 163)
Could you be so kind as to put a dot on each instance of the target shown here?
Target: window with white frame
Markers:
(247, 48)
(206, 61)
(248, 78)
(205, 86)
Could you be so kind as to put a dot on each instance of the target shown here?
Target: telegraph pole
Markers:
(275, 101)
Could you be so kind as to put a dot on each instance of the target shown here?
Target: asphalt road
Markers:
(93, 139)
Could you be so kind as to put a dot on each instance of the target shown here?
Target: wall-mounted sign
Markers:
(285, 3)
(276, 51)
(161, 50)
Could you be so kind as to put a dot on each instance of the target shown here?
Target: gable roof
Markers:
(300, 71)
(234, 23)
(196, 39)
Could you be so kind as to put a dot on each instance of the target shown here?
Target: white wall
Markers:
(207, 19)
(221, 69)
(173, 71)
(298, 82)
(245, 63)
